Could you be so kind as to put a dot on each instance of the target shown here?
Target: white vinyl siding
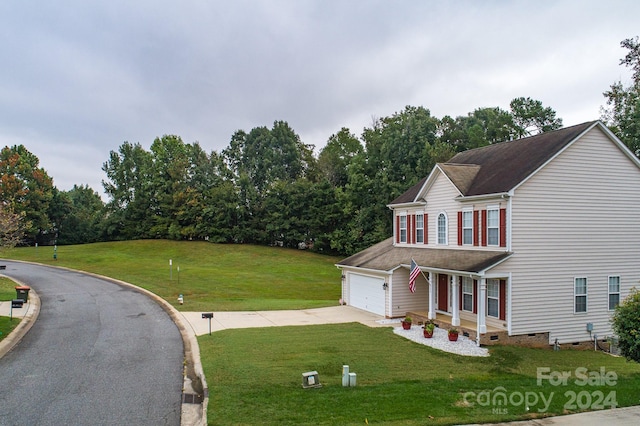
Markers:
(580, 295)
(442, 207)
(576, 217)
(420, 228)
(614, 292)
(403, 300)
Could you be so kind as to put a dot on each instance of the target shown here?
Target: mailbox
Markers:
(17, 303)
(207, 315)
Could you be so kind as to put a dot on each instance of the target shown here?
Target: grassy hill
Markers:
(210, 276)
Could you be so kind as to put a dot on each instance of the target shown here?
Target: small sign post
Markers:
(170, 269)
(208, 315)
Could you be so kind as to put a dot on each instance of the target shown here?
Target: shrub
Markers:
(626, 325)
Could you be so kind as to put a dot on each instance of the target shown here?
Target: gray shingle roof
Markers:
(384, 256)
(500, 167)
(504, 165)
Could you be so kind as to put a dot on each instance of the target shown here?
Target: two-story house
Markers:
(529, 241)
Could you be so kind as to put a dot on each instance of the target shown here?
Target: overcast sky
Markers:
(80, 77)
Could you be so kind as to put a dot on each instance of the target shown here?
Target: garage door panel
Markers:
(366, 292)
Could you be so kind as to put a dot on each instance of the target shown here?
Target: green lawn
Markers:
(7, 292)
(214, 277)
(255, 375)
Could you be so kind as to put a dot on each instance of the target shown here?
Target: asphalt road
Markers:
(98, 354)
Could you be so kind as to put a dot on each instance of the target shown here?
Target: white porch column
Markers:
(455, 301)
(482, 303)
(432, 297)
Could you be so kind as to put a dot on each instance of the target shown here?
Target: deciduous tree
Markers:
(622, 114)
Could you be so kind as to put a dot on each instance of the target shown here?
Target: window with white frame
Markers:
(614, 292)
(493, 298)
(419, 228)
(493, 226)
(580, 295)
(467, 227)
(467, 294)
(403, 229)
(442, 228)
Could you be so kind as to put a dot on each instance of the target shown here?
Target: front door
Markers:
(443, 292)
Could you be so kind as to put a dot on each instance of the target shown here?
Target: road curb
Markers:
(29, 318)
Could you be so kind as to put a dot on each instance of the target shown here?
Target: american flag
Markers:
(413, 275)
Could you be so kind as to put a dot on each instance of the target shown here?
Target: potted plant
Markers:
(406, 323)
(453, 334)
(428, 329)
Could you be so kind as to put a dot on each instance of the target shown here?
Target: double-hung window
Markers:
(467, 227)
(614, 292)
(493, 298)
(467, 294)
(493, 227)
(420, 228)
(403, 229)
(580, 295)
(442, 229)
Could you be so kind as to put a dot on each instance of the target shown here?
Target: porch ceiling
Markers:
(384, 256)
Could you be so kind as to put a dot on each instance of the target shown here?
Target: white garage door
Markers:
(366, 293)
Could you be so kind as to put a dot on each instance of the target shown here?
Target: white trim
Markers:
(609, 293)
(586, 295)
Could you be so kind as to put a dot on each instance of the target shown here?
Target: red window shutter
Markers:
(475, 296)
(397, 229)
(484, 227)
(503, 227)
(503, 300)
(475, 227)
(425, 225)
(408, 229)
(459, 228)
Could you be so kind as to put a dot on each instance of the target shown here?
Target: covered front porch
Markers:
(467, 328)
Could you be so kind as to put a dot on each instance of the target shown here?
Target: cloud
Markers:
(80, 78)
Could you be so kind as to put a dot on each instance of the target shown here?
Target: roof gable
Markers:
(504, 165)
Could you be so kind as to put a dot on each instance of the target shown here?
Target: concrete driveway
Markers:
(330, 315)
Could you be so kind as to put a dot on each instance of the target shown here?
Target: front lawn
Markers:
(7, 292)
(255, 377)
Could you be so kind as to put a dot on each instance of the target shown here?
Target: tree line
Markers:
(267, 186)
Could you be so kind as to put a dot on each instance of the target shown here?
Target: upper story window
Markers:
(493, 227)
(614, 292)
(420, 228)
(403, 229)
(442, 229)
(580, 295)
(467, 227)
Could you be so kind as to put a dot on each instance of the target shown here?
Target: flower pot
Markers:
(428, 334)
(406, 325)
(453, 337)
